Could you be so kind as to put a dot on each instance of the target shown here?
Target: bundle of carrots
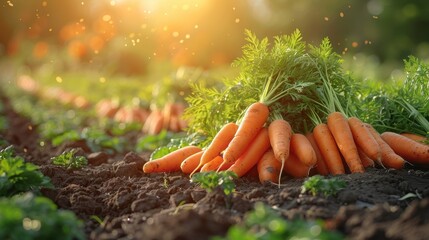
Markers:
(341, 145)
(154, 121)
(169, 118)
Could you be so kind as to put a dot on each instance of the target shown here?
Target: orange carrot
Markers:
(149, 119)
(303, 149)
(214, 164)
(156, 124)
(340, 129)
(407, 148)
(269, 167)
(366, 161)
(280, 133)
(364, 139)
(388, 157)
(415, 137)
(295, 168)
(321, 167)
(253, 153)
(167, 112)
(170, 162)
(174, 124)
(218, 144)
(190, 163)
(328, 148)
(252, 123)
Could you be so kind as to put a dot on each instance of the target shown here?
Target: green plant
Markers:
(69, 160)
(320, 185)
(97, 139)
(264, 223)
(26, 217)
(17, 176)
(175, 143)
(401, 106)
(211, 180)
(152, 142)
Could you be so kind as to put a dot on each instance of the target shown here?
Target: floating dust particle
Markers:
(196, 26)
(237, 20)
(175, 34)
(112, 3)
(165, 28)
(10, 3)
(375, 17)
(29, 127)
(50, 30)
(42, 143)
(355, 44)
(185, 7)
(187, 36)
(341, 14)
(326, 18)
(59, 79)
(106, 17)
(44, 3)
(102, 79)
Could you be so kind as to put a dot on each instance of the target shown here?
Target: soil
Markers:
(134, 205)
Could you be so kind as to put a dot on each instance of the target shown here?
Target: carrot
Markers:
(303, 149)
(340, 129)
(156, 123)
(364, 139)
(252, 123)
(388, 157)
(407, 148)
(190, 163)
(170, 162)
(269, 167)
(167, 112)
(218, 144)
(328, 148)
(149, 119)
(415, 137)
(214, 165)
(280, 133)
(321, 167)
(174, 124)
(253, 153)
(366, 161)
(295, 168)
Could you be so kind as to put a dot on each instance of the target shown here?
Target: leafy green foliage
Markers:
(289, 75)
(26, 217)
(264, 223)
(211, 180)
(17, 176)
(3, 123)
(69, 160)
(97, 139)
(400, 106)
(194, 139)
(151, 142)
(320, 185)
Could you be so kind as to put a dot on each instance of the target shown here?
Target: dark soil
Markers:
(134, 205)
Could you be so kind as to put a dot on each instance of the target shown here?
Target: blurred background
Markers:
(137, 37)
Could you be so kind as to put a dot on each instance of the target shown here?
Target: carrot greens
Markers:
(286, 74)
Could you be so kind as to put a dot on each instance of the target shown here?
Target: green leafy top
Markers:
(69, 160)
(31, 217)
(401, 106)
(17, 176)
(211, 180)
(265, 223)
(287, 75)
(326, 186)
